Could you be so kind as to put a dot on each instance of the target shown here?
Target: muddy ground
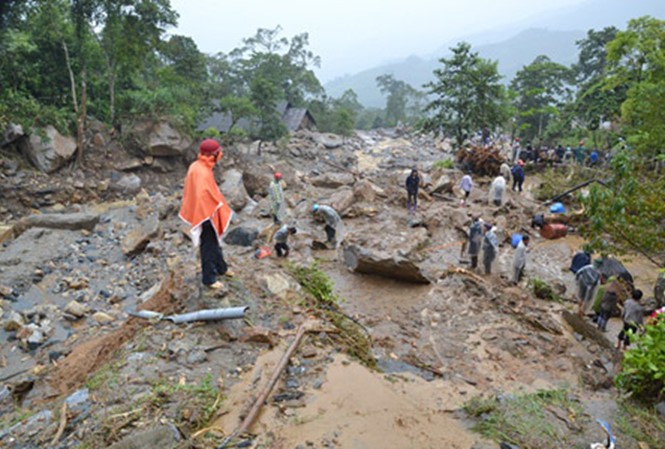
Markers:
(77, 370)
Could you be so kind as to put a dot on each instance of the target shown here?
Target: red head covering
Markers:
(278, 176)
(520, 162)
(209, 146)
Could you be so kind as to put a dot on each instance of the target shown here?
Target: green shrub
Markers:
(542, 290)
(643, 372)
(444, 163)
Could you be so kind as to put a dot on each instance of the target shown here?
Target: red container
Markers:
(554, 231)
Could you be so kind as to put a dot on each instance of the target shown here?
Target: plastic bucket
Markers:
(557, 208)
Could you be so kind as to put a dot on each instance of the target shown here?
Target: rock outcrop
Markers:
(48, 150)
(363, 260)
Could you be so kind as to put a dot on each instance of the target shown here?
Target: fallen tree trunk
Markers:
(362, 260)
(72, 222)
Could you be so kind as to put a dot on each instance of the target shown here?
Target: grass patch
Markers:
(641, 423)
(319, 288)
(557, 180)
(197, 403)
(542, 420)
(443, 163)
(107, 376)
(542, 290)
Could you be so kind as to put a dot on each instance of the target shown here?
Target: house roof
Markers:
(291, 117)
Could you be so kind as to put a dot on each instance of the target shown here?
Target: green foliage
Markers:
(641, 423)
(238, 107)
(541, 88)
(543, 290)
(554, 181)
(443, 163)
(643, 371)
(211, 133)
(401, 99)
(628, 214)
(264, 97)
(528, 420)
(467, 95)
(316, 283)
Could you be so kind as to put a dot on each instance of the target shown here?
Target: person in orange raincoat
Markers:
(205, 209)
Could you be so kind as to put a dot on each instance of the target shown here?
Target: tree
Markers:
(636, 60)
(237, 107)
(542, 88)
(343, 122)
(628, 215)
(397, 92)
(467, 94)
(595, 101)
(264, 97)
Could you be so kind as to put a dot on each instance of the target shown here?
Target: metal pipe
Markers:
(209, 315)
(147, 314)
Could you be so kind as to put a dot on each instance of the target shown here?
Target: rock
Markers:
(76, 309)
(309, 352)
(6, 232)
(587, 330)
(164, 164)
(256, 183)
(659, 290)
(660, 408)
(342, 200)
(127, 184)
(102, 318)
(98, 140)
(137, 239)
(30, 427)
(6, 292)
(276, 284)
(12, 133)
(31, 336)
(328, 140)
(161, 437)
(234, 190)
(14, 321)
(78, 402)
(364, 190)
(443, 185)
(6, 400)
(333, 180)
(196, 357)
(157, 139)
(241, 236)
(50, 152)
(131, 164)
(258, 334)
(362, 260)
(72, 222)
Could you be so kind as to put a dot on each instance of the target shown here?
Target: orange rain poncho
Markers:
(202, 200)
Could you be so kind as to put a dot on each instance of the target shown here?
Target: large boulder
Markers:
(329, 141)
(234, 190)
(241, 236)
(12, 133)
(72, 222)
(444, 184)
(333, 180)
(47, 149)
(256, 181)
(365, 190)
(158, 139)
(363, 260)
(138, 238)
(342, 200)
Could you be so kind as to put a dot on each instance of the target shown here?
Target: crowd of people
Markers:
(208, 214)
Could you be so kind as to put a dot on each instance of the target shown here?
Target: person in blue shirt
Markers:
(518, 175)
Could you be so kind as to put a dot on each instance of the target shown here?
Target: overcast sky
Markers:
(352, 35)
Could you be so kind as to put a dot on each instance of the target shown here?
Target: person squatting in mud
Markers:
(334, 227)
(205, 209)
(281, 240)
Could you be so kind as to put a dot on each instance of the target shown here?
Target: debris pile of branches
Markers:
(484, 161)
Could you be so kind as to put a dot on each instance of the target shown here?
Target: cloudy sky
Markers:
(352, 35)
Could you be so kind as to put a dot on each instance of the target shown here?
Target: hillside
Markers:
(512, 54)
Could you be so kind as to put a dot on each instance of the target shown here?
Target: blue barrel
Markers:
(515, 240)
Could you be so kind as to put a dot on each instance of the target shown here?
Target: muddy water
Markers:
(355, 408)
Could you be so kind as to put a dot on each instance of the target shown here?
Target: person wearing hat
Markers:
(205, 209)
(334, 226)
(276, 195)
(518, 175)
(412, 184)
(519, 262)
(490, 247)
